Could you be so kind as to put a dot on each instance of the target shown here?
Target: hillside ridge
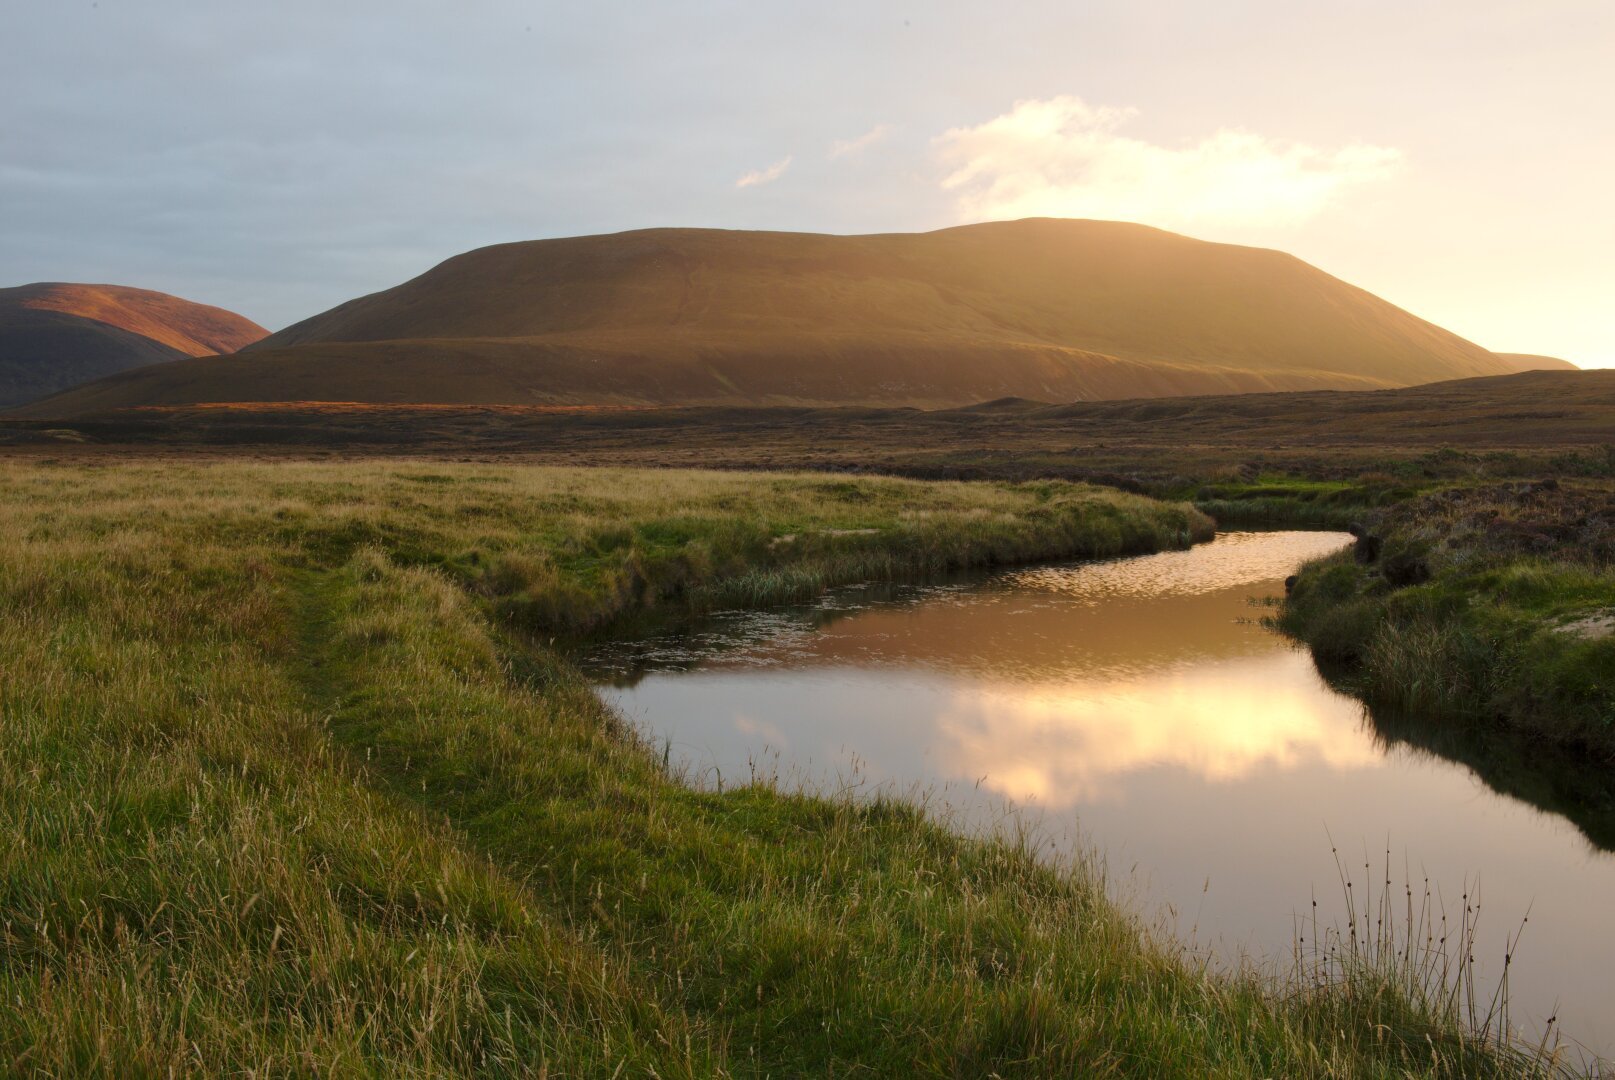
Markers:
(54, 335)
(1048, 309)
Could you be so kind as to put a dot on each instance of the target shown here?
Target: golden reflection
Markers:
(1232, 560)
(1110, 621)
(1048, 685)
(1075, 744)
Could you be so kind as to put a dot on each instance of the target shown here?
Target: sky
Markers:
(1456, 157)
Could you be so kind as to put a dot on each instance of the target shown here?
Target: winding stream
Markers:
(1141, 701)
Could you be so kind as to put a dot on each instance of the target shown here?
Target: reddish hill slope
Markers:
(54, 335)
(1049, 309)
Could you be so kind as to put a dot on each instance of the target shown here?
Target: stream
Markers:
(1138, 709)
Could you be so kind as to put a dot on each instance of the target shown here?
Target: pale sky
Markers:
(1455, 157)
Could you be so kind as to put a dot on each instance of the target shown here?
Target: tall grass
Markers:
(1403, 957)
(287, 789)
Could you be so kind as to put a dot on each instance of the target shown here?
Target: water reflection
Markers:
(1513, 763)
(1077, 743)
(1116, 620)
(1204, 755)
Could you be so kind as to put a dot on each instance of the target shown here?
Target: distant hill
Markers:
(54, 335)
(1051, 310)
(1519, 361)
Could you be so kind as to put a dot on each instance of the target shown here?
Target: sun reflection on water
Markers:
(1069, 745)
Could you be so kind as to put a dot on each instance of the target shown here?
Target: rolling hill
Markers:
(54, 335)
(1056, 310)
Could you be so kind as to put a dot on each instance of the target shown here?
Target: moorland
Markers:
(1493, 487)
(295, 782)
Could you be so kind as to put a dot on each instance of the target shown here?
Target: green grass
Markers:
(1244, 498)
(291, 784)
(1505, 629)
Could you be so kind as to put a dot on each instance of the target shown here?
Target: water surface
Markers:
(1137, 706)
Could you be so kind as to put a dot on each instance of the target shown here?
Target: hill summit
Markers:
(57, 334)
(1046, 309)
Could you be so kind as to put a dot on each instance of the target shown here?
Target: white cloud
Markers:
(842, 147)
(765, 176)
(1062, 157)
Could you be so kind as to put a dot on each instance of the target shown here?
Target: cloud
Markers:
(842, 147)
(765, 176)
(1062, 157)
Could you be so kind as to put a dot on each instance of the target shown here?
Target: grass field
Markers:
(292, 784)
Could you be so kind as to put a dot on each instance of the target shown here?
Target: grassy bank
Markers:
(290, 785)
(1486, 604)
(1325, 493)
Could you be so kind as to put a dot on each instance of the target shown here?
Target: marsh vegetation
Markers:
(1486, 605)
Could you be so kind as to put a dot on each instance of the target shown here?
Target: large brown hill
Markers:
(1056, 310)
(54, 335)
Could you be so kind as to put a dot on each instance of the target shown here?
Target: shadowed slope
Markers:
(1047, 309)
(55, 335)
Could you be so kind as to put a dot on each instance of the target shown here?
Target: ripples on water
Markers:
(1235, 559)
(1200, 752)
